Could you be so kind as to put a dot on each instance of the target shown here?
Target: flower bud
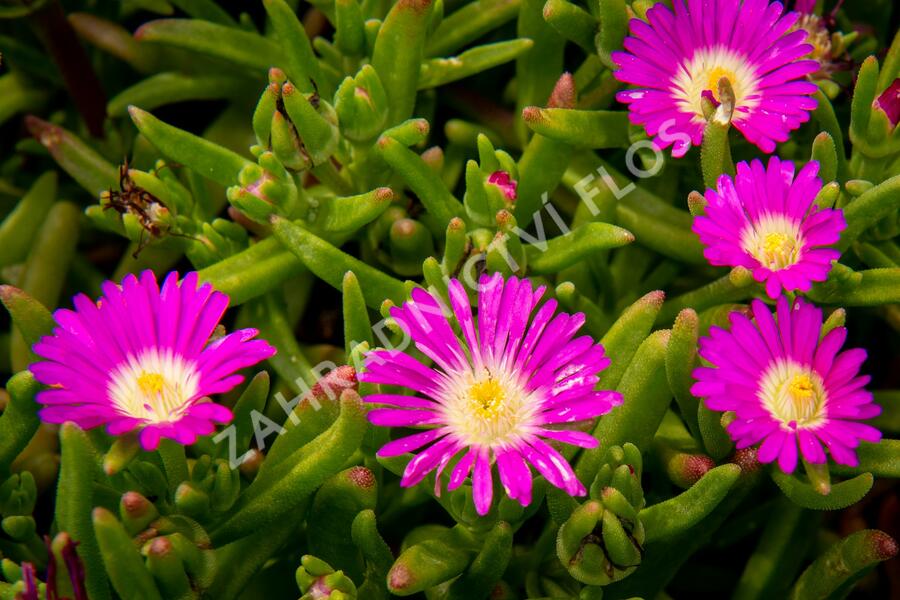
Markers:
(18, 494)
(318, 581)
(431, 562)
(122, 451)
(889, 102)
(265, 189)
(335, 506)
(508, 186)
(136, 512)
(191, 500)
(216, 241)
(361, 106)
(597, 547)
(410, 244)
(19, 528)
(168, 569)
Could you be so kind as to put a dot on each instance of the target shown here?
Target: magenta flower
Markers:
(141, 358)
(767, 221)
(512, 383)
(786, 387)
(674, 59)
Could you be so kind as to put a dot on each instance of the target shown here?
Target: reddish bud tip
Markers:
(160, 546)
(655, 298)
(133, 502)
(418, 6)
(695, 467)
(400, 577)
(332, 385)
(141, 31)
(885, 546)
(276, 75)
(531, 114)
(48, 134)
(361, 477)
(747, 460)
(403, 228)
(563, 95)
(384, 194)
(504, 217)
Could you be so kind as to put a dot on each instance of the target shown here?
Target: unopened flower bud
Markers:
(508, 186)
(889, 102)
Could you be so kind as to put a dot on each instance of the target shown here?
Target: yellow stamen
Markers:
(794, 395)
(802, 388)
(778, 250)
(485, 396)
(151, 383)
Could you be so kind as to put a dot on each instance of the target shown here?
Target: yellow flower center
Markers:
(802, 388)
(774, 241)
(156, 386)
(486, 397)
(778, 250)
(151, 383)
(702, 73)
(488, 407)
(794, 394)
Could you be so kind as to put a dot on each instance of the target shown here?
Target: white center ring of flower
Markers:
(794, 394)
(702, 73)
(156, 386)
(775, 241)
(488, 408)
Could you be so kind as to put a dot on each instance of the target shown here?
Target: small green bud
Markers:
(136, 512)
(361, 106)
(191, 500)
(18, 494)
(410, 243)
(264, 189)
(318, 581)
(597, 547)
(167, 569)
(431, 562)
(122, 451)
(19, 528)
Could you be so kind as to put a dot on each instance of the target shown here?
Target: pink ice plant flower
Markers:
(766, 220)
(140, 358)
(675, 58)
(786, 386)
(497, 393)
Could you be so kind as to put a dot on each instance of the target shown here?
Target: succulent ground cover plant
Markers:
(446, 299)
